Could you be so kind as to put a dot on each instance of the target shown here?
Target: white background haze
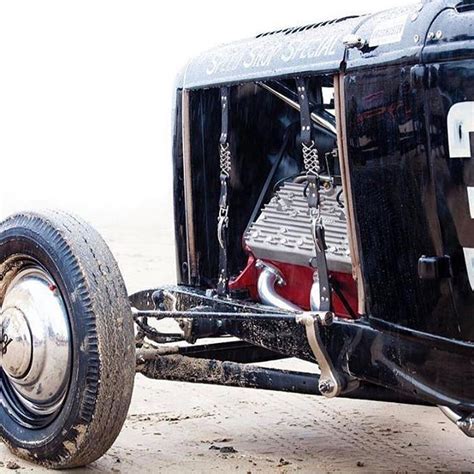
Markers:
(86, 88)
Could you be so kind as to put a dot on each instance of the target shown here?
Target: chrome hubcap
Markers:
(35, 345)
(17, 349)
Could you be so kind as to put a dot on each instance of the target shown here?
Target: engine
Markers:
(265, 166)
(282, 232)
(281, 239)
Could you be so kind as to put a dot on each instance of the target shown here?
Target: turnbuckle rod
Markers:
(157, 314)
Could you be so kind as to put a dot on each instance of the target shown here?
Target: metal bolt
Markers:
(431, 35)
(416, 38)
(463, 424)
(439, 34)
(325, 386)
(326, 318)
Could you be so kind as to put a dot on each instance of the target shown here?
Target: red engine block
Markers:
(299, 280)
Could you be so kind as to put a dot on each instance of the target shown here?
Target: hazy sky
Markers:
(86, 87)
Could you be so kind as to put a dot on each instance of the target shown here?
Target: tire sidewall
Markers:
(53, 439)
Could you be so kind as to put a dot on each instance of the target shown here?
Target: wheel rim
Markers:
(35, 354)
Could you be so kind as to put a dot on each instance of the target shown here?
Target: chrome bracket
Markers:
(331, 382)
(464, 422)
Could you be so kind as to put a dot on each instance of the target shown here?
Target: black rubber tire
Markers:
(103, 349)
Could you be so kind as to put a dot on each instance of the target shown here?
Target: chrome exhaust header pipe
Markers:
(270, 277)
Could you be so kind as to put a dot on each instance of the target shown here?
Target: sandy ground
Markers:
(177, 427)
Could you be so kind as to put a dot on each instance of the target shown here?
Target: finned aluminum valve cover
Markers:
(282, 232)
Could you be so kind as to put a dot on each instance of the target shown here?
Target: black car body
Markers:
(403, 91)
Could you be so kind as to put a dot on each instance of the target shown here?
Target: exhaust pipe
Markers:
(269, 277)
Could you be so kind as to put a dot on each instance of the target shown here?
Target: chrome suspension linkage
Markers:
(331, 382)
(464, 422)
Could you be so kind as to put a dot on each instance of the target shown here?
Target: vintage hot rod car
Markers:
(324, 210)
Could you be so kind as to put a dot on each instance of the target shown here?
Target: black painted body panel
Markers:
(395, 200)
(457, 35)
(317, 47)
(397, 120)
(392, 36)
(453, 83)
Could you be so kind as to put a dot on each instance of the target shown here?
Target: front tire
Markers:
(67, 348)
